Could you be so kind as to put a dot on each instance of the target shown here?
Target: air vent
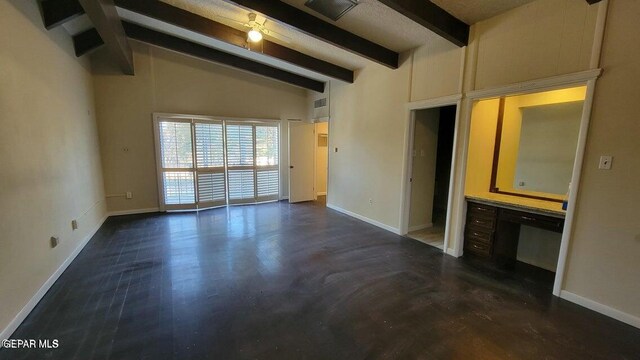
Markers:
(320, 103)
(333, 9)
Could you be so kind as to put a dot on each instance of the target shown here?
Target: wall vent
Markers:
(333, 9)
(320, 103)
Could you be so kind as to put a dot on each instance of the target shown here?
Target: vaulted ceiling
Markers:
(292, 51)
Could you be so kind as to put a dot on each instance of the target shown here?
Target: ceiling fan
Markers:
(257, 27)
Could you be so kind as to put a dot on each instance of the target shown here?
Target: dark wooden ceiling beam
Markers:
(172, 15)
(86, 42)
(434, 18)
(105, 18)
(322, 30)
(57, 12)
(173, 43)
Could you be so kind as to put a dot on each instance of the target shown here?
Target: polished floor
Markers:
(280, 281)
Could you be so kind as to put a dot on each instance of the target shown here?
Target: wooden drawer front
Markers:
(481, 223)
(481, 210)
(479, 236)
(535, 220)
(477, 247)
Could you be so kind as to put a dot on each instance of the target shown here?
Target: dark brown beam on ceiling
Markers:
(322, 30)
(86, 42)
(434, 18)
(173, 43)
(591, 2)
(57, 12)
(204, 26)
(104, 16)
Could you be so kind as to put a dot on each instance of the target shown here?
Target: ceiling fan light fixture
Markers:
(254, 35)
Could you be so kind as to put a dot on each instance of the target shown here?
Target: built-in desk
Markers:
(492, 228)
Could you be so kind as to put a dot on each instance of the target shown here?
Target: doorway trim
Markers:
(588, 78)
(412, 107)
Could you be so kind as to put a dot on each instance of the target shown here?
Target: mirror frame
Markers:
(493, 188)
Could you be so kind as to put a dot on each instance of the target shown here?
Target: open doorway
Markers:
(322, 161)
(430, 173)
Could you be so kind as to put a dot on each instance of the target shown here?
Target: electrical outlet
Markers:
(370, 202)
(605, 162)
(54, 241)
(129, 195)
(74, 224)
(335, 150)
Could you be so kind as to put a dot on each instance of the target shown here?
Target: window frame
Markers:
(193, 119)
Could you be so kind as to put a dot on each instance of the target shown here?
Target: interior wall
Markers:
(603, 256)
(368, 123)
(423, 168)
(322, 159)
(50, 159)
(173, 83)
(540, 39)
(435, 69)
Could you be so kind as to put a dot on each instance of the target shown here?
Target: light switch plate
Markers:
(605, 162)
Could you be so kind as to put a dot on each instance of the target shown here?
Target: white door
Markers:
(301, 162)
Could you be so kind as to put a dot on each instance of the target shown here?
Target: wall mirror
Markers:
(536, 142)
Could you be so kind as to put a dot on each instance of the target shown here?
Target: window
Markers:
(206, 162)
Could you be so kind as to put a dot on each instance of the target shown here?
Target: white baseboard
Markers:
(35, 299)
(365, 219)
(420, 227)
(133, 211)
(601, 308)
(322, 193)
(451, 252)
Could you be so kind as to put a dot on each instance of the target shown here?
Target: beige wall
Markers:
(603, 262)
(169, 82)
(368, 121)
(322, 158)
(423, 168)
(537, 40)
(50, 157)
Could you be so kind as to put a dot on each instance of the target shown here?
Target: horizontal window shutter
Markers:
(178, 187)
(267, 145)
(239, 145)
(209, 145)
(268, 184)
(241, 186)
(211, 188)
(175, 145)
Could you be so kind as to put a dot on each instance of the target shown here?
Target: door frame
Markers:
(408, 164)
(315, 160)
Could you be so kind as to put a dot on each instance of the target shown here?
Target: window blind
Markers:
(209, 137)
(207, 162)
(177, 163)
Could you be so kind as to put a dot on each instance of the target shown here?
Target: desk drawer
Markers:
(479, 236)
(481, 210)
(477, 247)
(481, 223)
(535, 220)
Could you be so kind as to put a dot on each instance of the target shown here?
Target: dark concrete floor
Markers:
(280, 281)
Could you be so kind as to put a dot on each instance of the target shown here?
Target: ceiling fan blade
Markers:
(231, 20)
(277, 35)
(260, 19)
